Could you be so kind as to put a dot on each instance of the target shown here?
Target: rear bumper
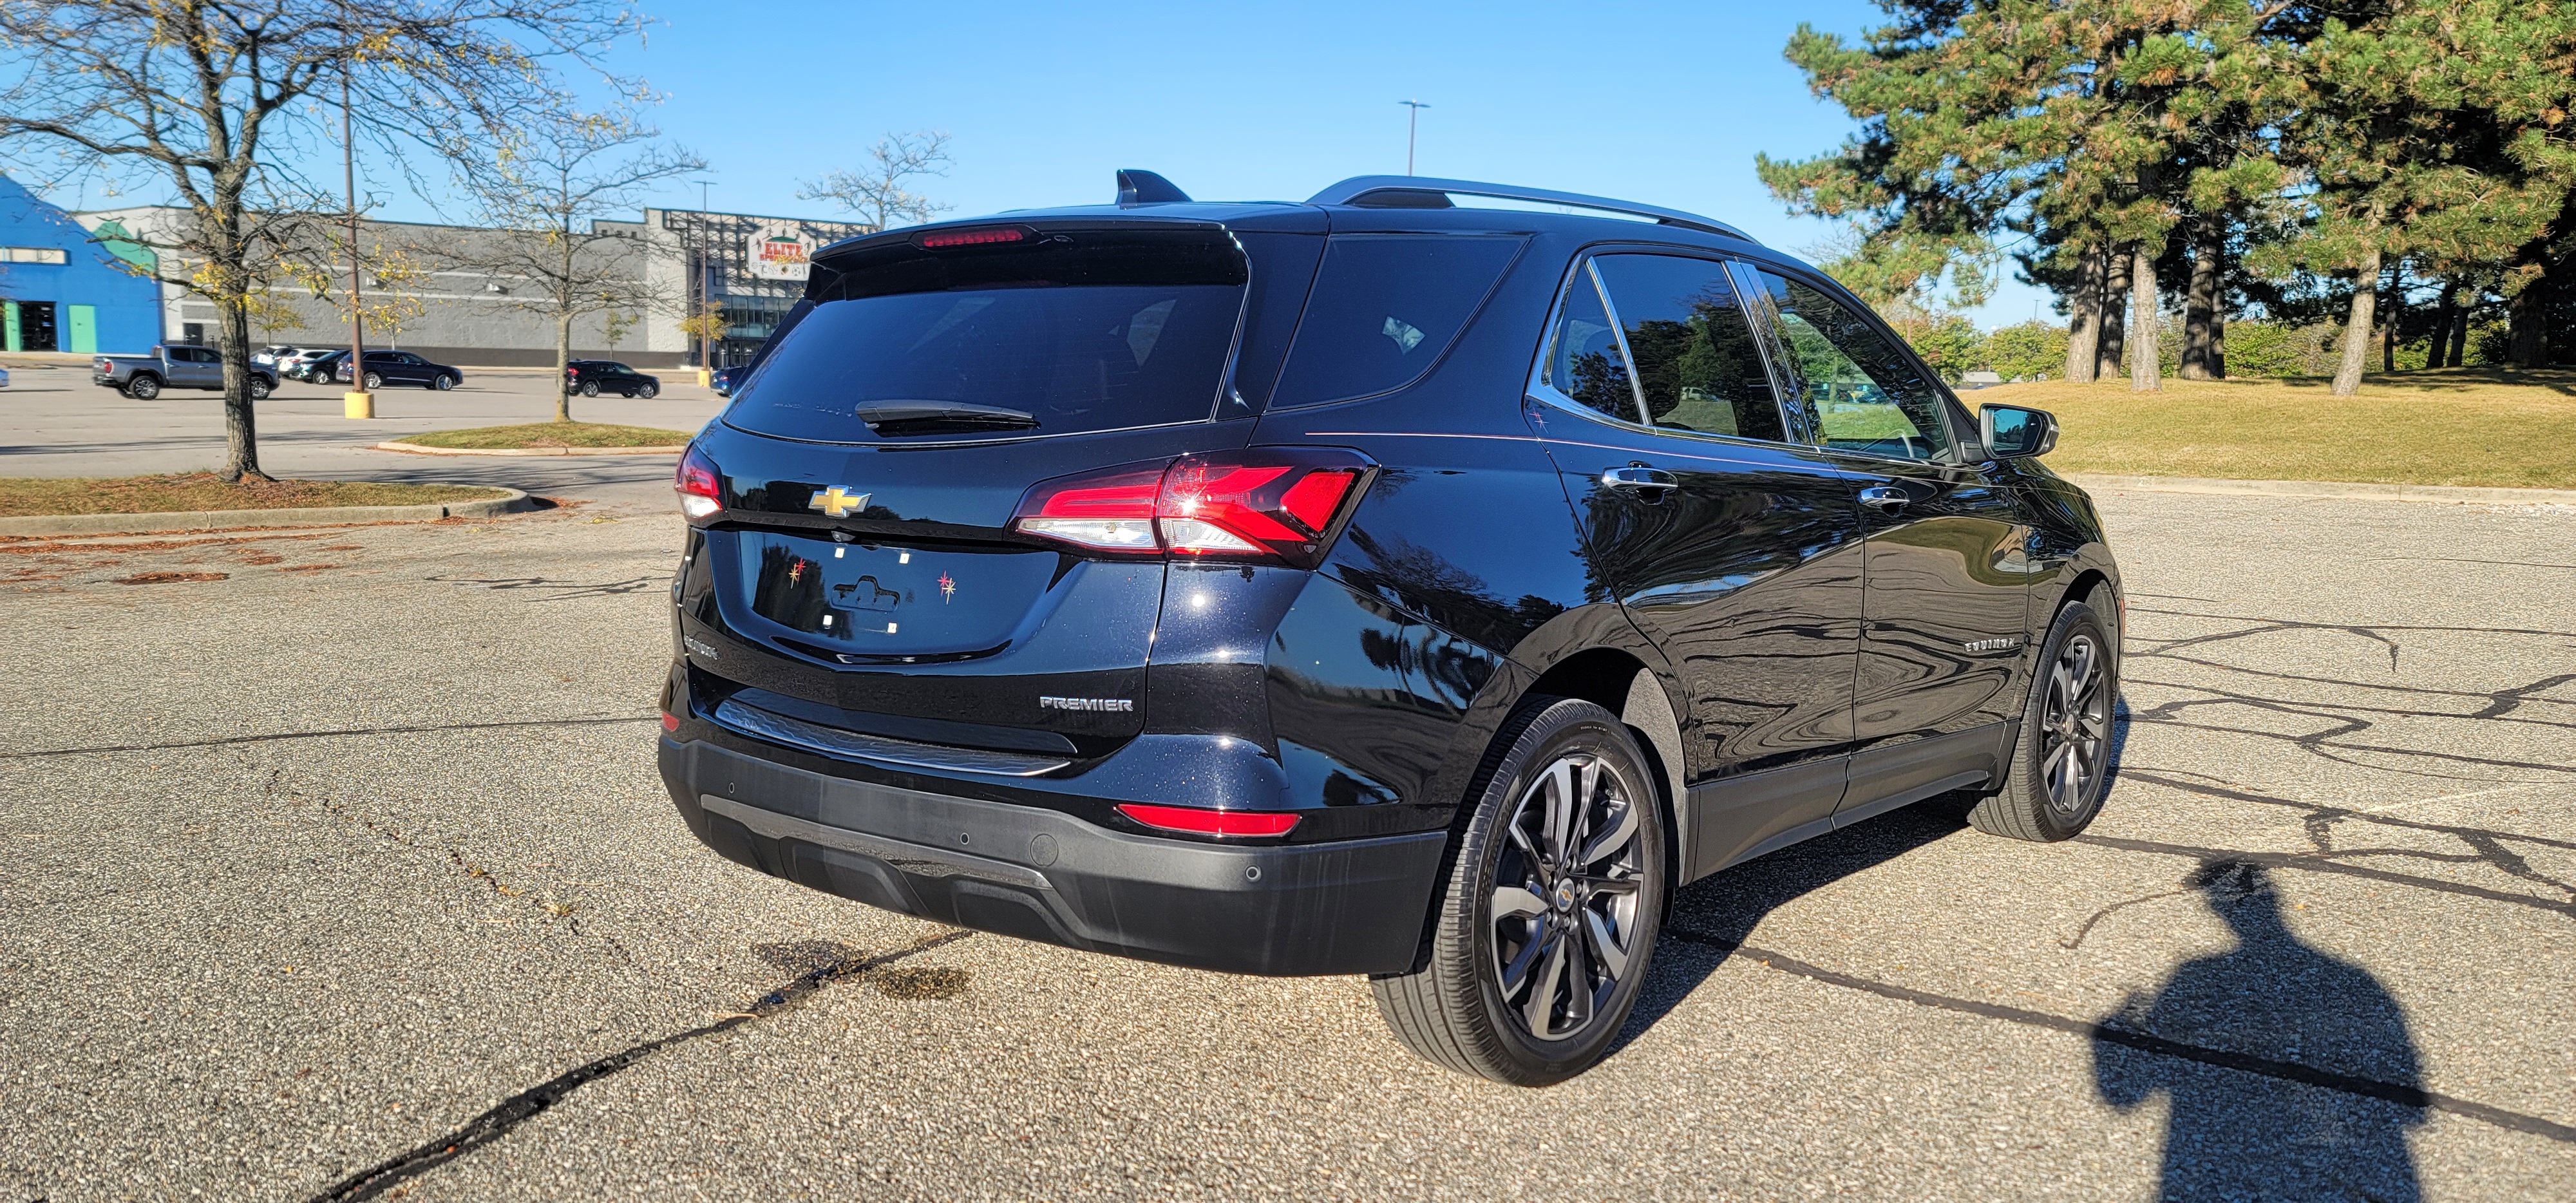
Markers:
(1354, 906)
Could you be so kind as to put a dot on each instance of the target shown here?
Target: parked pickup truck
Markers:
(142, 377)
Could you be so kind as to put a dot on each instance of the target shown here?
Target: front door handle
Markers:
(1884, 499)
(1653, 482)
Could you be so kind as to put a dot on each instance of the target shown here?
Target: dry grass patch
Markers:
(539, 435)
(2454, 426)
(24, 496)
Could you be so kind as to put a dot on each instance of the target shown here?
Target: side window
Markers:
(1696, 361)
(1860, 392)
(1583, 357)
(1384, 308)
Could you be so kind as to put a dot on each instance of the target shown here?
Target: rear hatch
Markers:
(873, 459)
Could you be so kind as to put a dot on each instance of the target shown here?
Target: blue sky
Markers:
(1659, 102)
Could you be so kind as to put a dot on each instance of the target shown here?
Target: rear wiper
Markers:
(927, 417)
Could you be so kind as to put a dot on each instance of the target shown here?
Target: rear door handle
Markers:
(1651, 481)
(1884, 499)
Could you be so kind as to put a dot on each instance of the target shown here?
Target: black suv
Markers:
(1393, 584)
(591, 377)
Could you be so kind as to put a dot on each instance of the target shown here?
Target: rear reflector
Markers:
(670, 721)
(986, 236)
(1280, 504)
(1209, 822)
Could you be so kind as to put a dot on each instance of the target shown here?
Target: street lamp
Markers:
(357, 402)
(705, 290)
(1412, 124)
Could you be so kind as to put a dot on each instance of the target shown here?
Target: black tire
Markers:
(374, 382)
(260, 388)
(442, 382)
(2060, 766)
(590, 388)
(143, 386)
(1457, 1010)
(647, 391)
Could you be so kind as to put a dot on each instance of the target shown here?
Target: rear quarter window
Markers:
(1385, 307)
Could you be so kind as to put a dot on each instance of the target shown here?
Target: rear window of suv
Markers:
(1384, 309)
(1077, 331)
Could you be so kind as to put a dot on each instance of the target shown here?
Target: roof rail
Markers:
(1359, 189)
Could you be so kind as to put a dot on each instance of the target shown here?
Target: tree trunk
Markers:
(2530, 345)
(2446, 313)
(2356, 327)
(563, 366)
(2146, 375)
(2115, 311)
(2396, 313)
(2084, 319)
(2459, 336)
(241, 426)
(2200, 353)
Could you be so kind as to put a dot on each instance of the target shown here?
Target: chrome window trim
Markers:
(1619, 333)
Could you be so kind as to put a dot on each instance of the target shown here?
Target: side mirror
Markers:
(2011, 432)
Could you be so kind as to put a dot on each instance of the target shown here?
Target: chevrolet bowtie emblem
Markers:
(837, 502)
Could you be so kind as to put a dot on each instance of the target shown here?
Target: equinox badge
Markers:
(836, 502)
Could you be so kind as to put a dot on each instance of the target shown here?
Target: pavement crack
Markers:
(408, 729)
(526, 1105)
(2146, 1042)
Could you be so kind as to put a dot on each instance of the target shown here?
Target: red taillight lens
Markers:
(701, 490)
(1209, 822)
(1280, 504)
(986, 236)
(1104, 511)
(670, 721)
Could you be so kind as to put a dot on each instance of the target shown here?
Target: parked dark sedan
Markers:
(722, 380)
(386, 367)
(591, 377)
(1376, 585)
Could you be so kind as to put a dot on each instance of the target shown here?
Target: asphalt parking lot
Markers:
(348, 875)
(54, 422)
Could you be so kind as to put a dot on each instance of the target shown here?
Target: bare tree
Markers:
(205, 99)
(547, 190)
(879, 193)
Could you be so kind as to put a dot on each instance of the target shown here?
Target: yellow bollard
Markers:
(360, 404)
(706, 378)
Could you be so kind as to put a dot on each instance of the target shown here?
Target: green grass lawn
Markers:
(22, 496)
(2454, 426)
(550, 434)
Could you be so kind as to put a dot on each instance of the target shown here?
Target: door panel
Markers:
(84, 329)
(1947, 562)
(1741, 558)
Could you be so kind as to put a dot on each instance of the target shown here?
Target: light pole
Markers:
(1412, 125)
(357, 402)
(705, 291)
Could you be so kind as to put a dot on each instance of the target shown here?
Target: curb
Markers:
(417, 449)
(2327, 489)
(197, 520)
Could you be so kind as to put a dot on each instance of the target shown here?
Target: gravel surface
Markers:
(348, 875)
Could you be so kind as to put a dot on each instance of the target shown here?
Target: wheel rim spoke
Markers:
(1512, 902)
(1623, 831)
(1560, 811)
(1516, 974)
(1614, 959)
(1540, 1009)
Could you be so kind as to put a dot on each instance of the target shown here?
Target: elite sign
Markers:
(778, 252)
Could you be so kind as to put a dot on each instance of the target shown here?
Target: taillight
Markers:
(1209, 822)
(1282, 504)
(701, 491)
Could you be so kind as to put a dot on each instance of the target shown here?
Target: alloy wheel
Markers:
(2075, 727)
(1564, 909)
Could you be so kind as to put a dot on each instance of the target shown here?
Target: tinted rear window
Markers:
(1384, 308)
(1080, 332)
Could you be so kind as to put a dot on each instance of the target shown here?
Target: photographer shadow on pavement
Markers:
(2234, 1135)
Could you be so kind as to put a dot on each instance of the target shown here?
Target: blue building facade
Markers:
(60, 291)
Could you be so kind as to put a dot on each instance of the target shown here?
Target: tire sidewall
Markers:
(590, 390)
(2029, 749)
(260, 388)
(443, 383)
(1562, 727)
(648, 392)
(143, 388)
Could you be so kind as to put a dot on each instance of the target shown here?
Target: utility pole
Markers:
(357, 402)
(1412, 125)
